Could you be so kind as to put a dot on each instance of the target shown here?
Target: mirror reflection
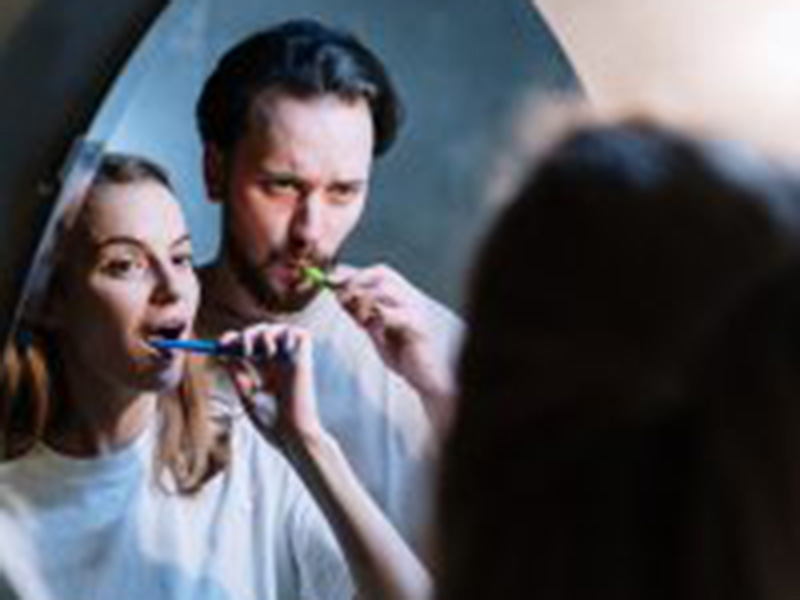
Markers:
(284, 402)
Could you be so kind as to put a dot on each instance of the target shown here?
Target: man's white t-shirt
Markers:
(379, 421)
(104, 529)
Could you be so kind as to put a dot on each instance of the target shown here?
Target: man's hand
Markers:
(401, 322)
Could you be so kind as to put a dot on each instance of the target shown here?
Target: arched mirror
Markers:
(462, 69)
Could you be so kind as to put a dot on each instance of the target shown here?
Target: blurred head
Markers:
(291, 119)
(125, 275)
(583, 459)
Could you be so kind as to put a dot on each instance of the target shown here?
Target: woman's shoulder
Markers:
(258, 463)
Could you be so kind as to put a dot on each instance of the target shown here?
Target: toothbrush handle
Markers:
(215, 348)
(283, 353)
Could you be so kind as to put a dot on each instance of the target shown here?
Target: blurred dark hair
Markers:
(303, 58)
(585, 460)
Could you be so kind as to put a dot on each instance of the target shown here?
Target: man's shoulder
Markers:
(222, 307)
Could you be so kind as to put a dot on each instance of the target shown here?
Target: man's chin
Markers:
(286, 301)
(270, 287)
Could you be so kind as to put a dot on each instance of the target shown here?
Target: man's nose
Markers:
(307, 223)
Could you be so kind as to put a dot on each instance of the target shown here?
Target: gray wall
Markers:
(462, 67)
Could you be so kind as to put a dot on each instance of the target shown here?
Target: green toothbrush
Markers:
(318, 277)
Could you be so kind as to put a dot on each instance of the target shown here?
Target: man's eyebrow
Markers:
(354, 182)
(281, 174)
(292, 177)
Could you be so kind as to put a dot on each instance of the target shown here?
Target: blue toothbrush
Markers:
(211, 347)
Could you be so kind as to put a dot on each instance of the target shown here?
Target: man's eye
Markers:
(280, 188)
(342, 194)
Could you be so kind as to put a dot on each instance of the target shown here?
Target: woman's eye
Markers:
(124, 267)
(184, 260)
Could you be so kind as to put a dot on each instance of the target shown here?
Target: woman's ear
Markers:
(215, 172)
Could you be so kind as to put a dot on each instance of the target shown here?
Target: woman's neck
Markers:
(97, 417)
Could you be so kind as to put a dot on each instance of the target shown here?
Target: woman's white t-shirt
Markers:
(103, 529)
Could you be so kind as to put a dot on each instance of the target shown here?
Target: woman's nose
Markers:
(167, 287)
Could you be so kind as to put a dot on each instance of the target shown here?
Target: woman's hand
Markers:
(277, 360)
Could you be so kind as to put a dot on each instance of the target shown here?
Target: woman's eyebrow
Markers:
(119, 240)
(125, 240)
(185, 238)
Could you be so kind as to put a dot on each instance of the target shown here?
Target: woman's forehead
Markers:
(145, 210)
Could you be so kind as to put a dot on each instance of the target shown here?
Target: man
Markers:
(291, 120)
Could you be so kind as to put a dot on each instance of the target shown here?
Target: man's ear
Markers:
(215, 172)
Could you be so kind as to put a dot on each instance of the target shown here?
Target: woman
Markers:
(132, 485)
(623, 432)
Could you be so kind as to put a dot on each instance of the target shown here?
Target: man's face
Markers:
(294, 188)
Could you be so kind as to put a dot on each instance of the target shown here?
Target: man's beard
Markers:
(255, 278)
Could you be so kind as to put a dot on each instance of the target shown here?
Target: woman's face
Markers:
(128, 278)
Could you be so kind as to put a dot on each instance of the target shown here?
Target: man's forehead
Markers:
(267, 102)
(321, 132)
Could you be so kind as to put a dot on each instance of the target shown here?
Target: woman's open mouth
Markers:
(167, 330)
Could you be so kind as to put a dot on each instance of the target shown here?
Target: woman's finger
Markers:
(243, 380)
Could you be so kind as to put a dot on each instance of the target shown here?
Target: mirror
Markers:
(461, 79)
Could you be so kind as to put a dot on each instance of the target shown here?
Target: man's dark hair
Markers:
(306, 59)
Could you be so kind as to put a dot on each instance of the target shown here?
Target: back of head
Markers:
(747, 382)
(303, 58)
(576, 466)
